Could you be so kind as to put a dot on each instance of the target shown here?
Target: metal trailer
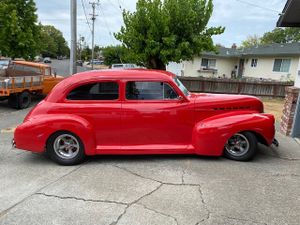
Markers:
(18, 90)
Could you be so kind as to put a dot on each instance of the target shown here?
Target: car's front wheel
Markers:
(241, 146)
(65, 148)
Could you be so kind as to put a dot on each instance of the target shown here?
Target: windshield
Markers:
(181, 86)
(4, 62)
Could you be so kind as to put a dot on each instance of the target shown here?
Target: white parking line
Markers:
(8, 130)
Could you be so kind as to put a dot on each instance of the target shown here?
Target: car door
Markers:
(99, 103)
(155, 117)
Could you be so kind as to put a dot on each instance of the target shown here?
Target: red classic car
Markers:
(141, 112)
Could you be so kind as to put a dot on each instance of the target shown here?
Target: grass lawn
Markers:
(274, 106)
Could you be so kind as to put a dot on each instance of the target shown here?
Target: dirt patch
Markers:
(274, 106)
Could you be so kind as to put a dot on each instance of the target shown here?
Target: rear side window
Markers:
(95, 91)
(149, 91)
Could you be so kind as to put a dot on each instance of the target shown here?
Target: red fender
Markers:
(34, 133)
(210, 135)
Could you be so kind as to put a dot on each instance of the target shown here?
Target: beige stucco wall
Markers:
(297, 79)
(264, 68)
(223, 66)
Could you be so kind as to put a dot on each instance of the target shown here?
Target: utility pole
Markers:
(93, 29)
(73, 68)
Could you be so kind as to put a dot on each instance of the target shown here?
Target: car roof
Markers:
(123, 74)
(114, 74)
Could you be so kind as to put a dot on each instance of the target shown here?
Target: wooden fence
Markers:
(233, 86)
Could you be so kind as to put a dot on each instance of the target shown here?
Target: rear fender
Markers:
(39, 128)
(211, 135)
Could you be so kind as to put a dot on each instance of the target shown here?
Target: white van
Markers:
(124, 66)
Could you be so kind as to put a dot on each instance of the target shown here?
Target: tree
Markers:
(86, 53)
(53, 43)
(281, 35)
(116, 54)
(169, 30)
(19, 32)
(251, 41)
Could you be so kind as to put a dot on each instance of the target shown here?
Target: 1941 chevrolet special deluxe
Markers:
(141, 112)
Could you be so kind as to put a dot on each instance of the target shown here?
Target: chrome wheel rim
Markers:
(237, 145)
(66, 146)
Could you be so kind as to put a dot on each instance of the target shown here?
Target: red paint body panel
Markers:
(195, 124)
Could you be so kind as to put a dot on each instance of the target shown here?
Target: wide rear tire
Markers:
(65, 148)
(241, 146)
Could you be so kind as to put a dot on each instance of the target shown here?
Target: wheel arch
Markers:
(34, 133)
(62, 131)
(205, 132)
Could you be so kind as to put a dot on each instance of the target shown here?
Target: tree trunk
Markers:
(156, 63)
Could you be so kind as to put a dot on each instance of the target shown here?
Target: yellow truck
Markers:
(21, 79)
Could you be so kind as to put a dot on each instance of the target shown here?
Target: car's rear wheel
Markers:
(65, 148)
(241, 146)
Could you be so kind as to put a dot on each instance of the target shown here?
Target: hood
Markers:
(225, 102)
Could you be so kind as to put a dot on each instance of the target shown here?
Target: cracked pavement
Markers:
(148, 190)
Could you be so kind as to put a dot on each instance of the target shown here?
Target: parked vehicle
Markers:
(38, 59)
(141, 112)
(79, 63)
(4, 62)
(22, 79)
(96, 62)
(124, 66)
(47, 60)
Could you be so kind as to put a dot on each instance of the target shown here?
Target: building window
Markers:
(208, 63)
(253, 62)
(95, 91)
(282, 65)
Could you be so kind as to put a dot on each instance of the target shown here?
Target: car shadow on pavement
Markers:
(147, 158)
(264, 154)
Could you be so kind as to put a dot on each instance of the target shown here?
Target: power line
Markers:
(109, 31)
(57, 19)
(106, 24)
(94, 4)
(84, 10)
(117, 7)
(258, 6)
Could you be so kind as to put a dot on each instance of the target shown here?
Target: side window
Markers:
(253, 62)
(95, 91)
(48, 71)
(149, 91)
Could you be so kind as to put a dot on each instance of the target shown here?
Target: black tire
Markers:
(248, 154)
(58, 158)
(24, 100)
(13, 101)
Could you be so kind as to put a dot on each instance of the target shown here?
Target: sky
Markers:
(240, 18)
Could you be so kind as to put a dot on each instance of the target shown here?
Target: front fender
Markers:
(211, 134)
(33, 133)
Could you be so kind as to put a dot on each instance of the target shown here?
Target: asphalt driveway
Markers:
(142, 190)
